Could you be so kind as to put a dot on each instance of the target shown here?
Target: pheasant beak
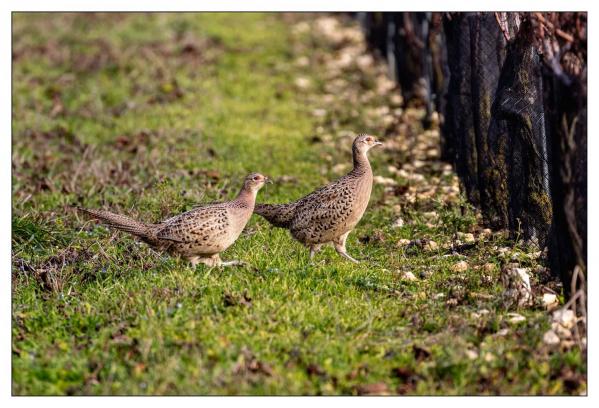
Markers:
(267, 180)
(377, 143)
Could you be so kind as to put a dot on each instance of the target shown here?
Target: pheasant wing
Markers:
(322, 210)
(202, 223)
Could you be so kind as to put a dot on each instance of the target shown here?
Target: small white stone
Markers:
(398, 223)
(409, 276)
(516, 283)
(364, 61)
(431, 246)
(386, 181)
(503, 250)
(451, 302)
(489, 267)
(302, 61)
(418, 163)
(431, 215)
(561, 331)
(416, 177)
(565, 317)
(549, 300)
(396, 99)
(515, 318)
(439, 296)
(402, 173)
(502, 332)
(403, 242)
(302, 82)
(432, 153)
(486, 232)
(392, 169)
(468, 238)
(471, 354)
(301, 27)
(523, 272)
(489, 357)
(550, 338)
(460, 266)
(536, 255)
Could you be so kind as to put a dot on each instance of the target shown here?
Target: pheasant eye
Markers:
(256, 178)
(369, 139)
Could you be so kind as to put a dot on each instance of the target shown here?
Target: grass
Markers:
(148, 114)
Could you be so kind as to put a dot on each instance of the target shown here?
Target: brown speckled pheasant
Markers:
(330, 213)
(199, 235)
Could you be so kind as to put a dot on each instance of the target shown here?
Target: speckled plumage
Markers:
(198, 235)
(330, 213)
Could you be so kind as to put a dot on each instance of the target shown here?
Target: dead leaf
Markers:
(379, 388)
(314, 369)
(460, 266)
(420, 353)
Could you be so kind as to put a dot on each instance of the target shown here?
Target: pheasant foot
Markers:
(212, 261)
(233, 263)
(347, 256)
(340, 247)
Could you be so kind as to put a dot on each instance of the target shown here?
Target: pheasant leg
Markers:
(340, 247)
(314, 249)
(211, 261)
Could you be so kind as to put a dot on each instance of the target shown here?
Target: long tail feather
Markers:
(118, 221)
(279, 215)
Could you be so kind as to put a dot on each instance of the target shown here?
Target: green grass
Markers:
(150, 114)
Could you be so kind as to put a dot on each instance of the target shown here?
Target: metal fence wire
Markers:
(510, 90)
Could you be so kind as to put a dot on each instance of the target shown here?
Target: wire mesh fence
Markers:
(510, 91)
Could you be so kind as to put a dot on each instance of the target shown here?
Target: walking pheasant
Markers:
(330, 213)
(199, 235)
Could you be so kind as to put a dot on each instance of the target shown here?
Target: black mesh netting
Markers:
(458, 128)
(487, 51)
(510, 90)
(519, 105)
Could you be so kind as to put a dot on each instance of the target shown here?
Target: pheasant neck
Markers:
(246, 197)
(361, 163)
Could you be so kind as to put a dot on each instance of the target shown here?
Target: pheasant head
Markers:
(364, 143)
(254, 182)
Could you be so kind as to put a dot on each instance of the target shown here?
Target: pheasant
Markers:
(330, 213)
(198, 235)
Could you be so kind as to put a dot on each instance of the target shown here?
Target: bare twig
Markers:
(83, 162)
(567, 175)
(558, 32)
(579, 303)
(503, 29)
